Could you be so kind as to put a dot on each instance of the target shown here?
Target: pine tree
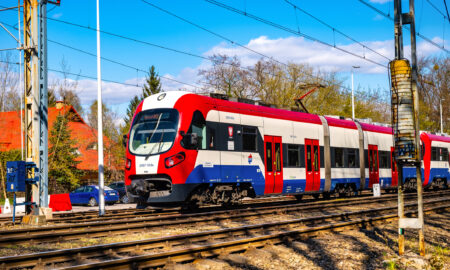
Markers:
(152, 86)
(63, 174)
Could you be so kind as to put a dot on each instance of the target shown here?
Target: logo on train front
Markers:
(230, 131)
(250, 159)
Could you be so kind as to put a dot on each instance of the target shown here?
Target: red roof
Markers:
(84, 136)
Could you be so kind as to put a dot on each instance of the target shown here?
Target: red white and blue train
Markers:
(184, 148)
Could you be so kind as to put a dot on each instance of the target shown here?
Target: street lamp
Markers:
(353, 96)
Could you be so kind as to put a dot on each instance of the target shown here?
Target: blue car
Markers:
(88, 195)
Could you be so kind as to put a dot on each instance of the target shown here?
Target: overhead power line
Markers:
(78, 75)
(438, 10)
(295, 32)
(116, 62)
(446, 9)
(335, 29)
(406, 26)
(237, 43)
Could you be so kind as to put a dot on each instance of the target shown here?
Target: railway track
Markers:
(67, 232)
(156, 252)
(92, 216)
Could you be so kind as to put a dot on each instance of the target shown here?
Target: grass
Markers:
(391, 265)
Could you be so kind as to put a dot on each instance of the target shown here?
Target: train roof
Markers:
(267, 111)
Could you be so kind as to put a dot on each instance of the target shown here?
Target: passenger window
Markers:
(308, 158)
(269, 156)
(293, 156)
(352, 158)
(278, 157)
(249, 137)
(316, 158)
(339, 157)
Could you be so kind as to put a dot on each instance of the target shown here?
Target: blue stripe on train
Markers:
(254, 175)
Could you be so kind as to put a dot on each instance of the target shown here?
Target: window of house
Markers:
(338, 157)
(249, 138)
(293, 157)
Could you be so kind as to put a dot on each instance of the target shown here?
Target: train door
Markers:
(312, 168)
(373, 165)
(394, 169)
(273, 162)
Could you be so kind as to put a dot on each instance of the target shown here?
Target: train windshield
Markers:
(153, 131)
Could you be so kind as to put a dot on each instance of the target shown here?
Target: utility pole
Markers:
(440, 112)
(405, 121)
(36, 104)
(101, 196)
(353, 95)
(31, 96)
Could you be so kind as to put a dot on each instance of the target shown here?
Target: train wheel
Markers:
(298, 197)
(326, 195)
(316, 196)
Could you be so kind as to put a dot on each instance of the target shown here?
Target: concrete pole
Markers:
(417, 129)
(440, 111)
(400, 188)
(353, 95)
(101, 203)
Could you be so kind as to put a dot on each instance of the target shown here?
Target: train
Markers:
(191, 150)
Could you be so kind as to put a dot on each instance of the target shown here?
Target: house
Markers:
(84, 136)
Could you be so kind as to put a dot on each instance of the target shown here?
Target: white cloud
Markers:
(290, 49)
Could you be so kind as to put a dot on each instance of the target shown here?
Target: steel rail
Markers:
(119, 227)
(130, 254)
(91, 215)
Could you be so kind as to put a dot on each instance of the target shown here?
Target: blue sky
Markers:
(138, 20)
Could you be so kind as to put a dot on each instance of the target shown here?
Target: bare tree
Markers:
(65, 89)
(9, 84)
(227, 76)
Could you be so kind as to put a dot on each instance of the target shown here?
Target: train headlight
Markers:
(174, 160)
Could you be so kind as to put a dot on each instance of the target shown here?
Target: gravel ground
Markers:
(370, 248)
(374, 248)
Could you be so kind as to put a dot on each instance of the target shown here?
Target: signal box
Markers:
(16, 175)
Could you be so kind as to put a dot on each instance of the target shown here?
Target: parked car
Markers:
(120, 187)
(88, 195)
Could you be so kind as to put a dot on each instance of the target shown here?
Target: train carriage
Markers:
(187, 148)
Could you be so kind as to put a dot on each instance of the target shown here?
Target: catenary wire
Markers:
(406, 26)
(335, 29)
(295, 32)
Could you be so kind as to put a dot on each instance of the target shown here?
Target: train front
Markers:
(160, 150)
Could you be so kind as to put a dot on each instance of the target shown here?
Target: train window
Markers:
(198, 126)
(316, 158)
(308, 158)
(269, 156)
(249, 136)
(352, 158)
(338, 157)
(211, 136)
(434, 154)
(384, 160)
(375, 161)
(278, 157)
(444, 154)
(293, 155)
